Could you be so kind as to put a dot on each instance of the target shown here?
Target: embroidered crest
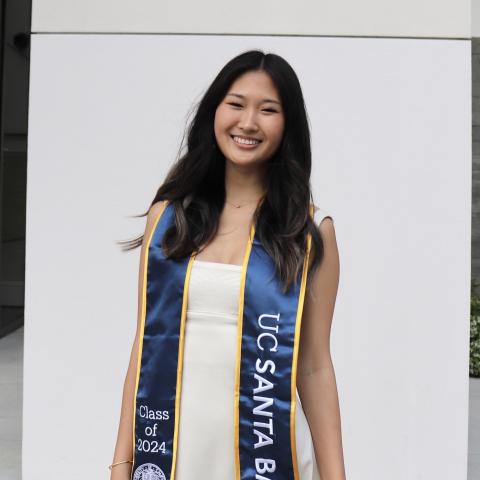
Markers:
(149, 471)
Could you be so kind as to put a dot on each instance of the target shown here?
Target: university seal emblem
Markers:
(149, 471)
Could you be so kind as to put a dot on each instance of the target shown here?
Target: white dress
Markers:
(205, 438)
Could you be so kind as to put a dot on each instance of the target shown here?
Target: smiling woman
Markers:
(250, 119)
(233, 251)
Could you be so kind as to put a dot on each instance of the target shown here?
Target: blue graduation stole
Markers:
(265, 378)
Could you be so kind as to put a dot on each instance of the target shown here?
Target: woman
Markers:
(237, 203)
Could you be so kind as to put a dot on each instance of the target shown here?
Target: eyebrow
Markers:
(269, 100)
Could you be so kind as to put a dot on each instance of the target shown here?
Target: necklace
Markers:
(242, 205)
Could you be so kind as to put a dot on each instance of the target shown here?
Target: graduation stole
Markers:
(266, 366)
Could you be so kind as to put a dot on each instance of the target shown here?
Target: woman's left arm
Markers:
(315, 373)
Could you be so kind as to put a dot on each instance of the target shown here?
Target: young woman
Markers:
(230, 373)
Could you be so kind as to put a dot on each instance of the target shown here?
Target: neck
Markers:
(243, 185)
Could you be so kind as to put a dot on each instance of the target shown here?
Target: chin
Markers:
(242, 162)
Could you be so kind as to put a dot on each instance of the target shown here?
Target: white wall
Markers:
(406, 18)
(392, 163)
(391, 131)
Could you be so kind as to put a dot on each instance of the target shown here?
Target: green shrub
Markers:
(474, 331)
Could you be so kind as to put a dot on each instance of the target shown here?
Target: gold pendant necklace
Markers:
(239, 206)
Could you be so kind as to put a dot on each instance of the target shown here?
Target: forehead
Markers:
(256, 85)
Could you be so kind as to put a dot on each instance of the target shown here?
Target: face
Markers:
(250, 112)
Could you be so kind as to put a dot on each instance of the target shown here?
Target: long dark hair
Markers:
(195, 184)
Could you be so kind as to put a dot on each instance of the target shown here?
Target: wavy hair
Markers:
(195, 184)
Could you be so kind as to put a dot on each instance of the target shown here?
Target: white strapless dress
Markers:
(205, 438)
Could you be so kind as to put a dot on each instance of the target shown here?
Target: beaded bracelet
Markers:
(118, 463)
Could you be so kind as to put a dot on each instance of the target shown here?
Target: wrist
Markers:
(121, 463)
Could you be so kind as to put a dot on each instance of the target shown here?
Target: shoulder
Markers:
(157, 208)
(324, 221)
(154, 212)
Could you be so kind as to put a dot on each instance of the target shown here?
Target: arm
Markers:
(315, 376)
(124, 446)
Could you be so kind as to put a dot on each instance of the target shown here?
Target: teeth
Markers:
(245, 141)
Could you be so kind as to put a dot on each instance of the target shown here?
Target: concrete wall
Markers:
(390, 18)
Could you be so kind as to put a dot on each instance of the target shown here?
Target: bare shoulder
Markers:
(154, 213)
(327, 230)
(157, 208)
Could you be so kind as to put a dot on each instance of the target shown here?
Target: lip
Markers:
(247, 138)
(245, 146)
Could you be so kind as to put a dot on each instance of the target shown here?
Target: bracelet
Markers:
(118, 463)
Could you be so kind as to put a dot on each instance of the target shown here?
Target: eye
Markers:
(234, 104)
(270, 110)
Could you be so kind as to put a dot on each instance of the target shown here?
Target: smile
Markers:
(245, 141)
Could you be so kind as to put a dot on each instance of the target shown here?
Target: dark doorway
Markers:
(14, 68)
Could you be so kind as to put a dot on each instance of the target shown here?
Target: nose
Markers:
(248, 120)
